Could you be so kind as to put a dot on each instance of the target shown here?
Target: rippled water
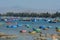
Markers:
(25, 36)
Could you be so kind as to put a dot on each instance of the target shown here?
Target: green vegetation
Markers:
(53, 15)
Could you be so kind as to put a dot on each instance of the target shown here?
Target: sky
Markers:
(29, 5)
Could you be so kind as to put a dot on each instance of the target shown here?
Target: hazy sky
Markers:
(35, 5)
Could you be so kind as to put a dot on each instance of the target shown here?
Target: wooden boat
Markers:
(2, 35)
(58, 29)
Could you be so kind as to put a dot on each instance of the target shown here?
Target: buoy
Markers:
(23, 31)
(29, 31)
(14, 26)
(11, 26)
(38, 30)
(45, 28)
(5, 19)
(48, 20)
(33, 32)
(34, 20)
(2, 19)
(34, 29)
(49, 27)
(8, 26)
(42, 27)
(58, 29)
(28, 26)
(19, 25)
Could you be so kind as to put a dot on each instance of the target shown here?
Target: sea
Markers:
(27, 36)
